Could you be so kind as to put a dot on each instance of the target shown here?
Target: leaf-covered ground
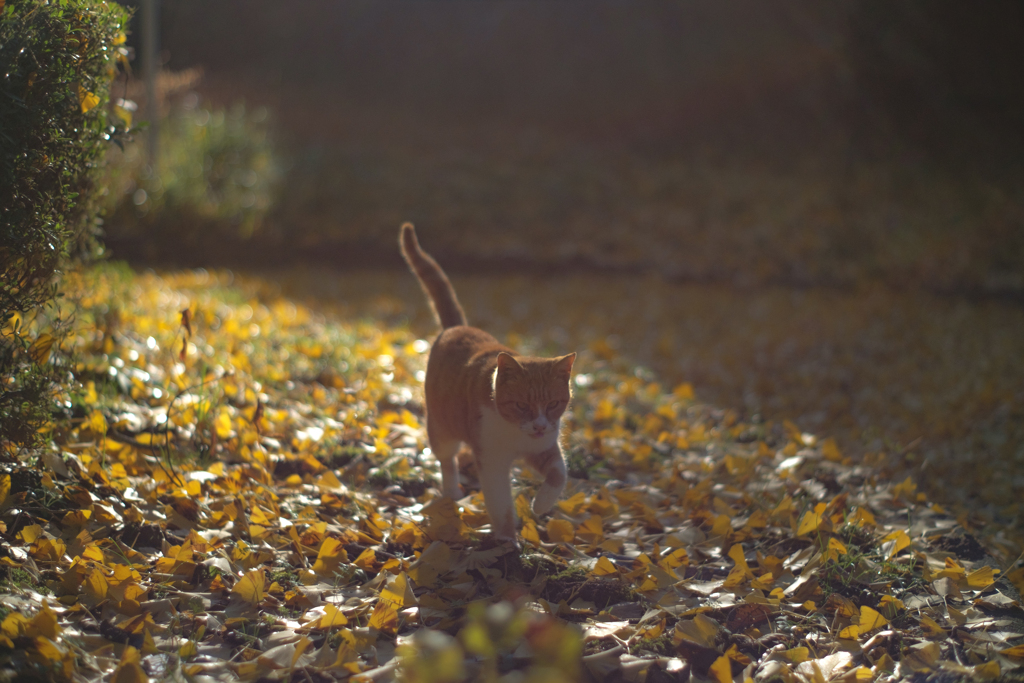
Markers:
(244, 491)
(924, 384)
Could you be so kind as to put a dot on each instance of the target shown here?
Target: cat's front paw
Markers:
(545, 500)
(495, 541)
(503, 525)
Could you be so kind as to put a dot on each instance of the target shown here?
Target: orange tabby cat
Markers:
(503, 405)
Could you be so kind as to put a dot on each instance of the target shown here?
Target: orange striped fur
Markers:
(503, 405)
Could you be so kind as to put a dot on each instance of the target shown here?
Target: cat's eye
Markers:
(523, 406)
(553, 405)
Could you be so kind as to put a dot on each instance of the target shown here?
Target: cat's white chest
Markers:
(498, 436)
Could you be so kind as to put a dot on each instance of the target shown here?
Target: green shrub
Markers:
(213, 181)
(57, 64)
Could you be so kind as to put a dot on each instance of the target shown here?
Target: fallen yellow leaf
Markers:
(384, 618)
(399, 593)
(814, 520)
(332, 618)
(721, 670)
(560, 531)
(251, 587)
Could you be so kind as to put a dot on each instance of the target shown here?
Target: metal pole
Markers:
(150, 67)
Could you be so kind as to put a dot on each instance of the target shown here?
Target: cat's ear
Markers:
(563, 366)
(508, 363)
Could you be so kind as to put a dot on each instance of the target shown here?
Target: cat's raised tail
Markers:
(433, 280)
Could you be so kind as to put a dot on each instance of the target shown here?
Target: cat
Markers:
(503, 405)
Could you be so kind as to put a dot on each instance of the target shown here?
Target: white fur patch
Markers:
(502, 439)
(538, 424)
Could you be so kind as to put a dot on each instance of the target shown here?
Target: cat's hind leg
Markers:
(496, 484)
(551, 465)
(446, 453)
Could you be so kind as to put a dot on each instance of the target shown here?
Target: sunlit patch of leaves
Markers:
(244, 490)
(907, 381)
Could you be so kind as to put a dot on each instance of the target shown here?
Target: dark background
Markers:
(940, 78)
(751, 143)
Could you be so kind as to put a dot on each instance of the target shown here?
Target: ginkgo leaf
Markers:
(14, 625)
(684, 391)
(260, 516)
(1015, 652)
(330, 557)
(851, 632)
(931, 627)
(868, 620)
(251, 587)
(329, 482)
(981, 578)
(895, 542)
(332, 618)
(123, 113)
(223, 423)
(890, 607)
(55, 655)
(384, 618)
(701, 630)
(1016, 577)
(560, 531)
(736, 555)
(44, 624)
(785, 506)
(87, 100)
(529, 533)
(41, 347)
(763, 582)
(862, 517)
(445, 522)
(30, 533)
(591, 530)
(97, 422)
(95, 587)
(721, 527)
(988, 671)
(830, 450)
(721, 670)
(604, 567)
(574, 504)
(129, 670)
(835, 549)
(824, 669)
(398, 593)
(905, 489)
(677, 558)
(814, 520)
(921, 657)
(840, 605)
(367, 560)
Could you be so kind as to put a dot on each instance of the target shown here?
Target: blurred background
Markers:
(811, 211)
